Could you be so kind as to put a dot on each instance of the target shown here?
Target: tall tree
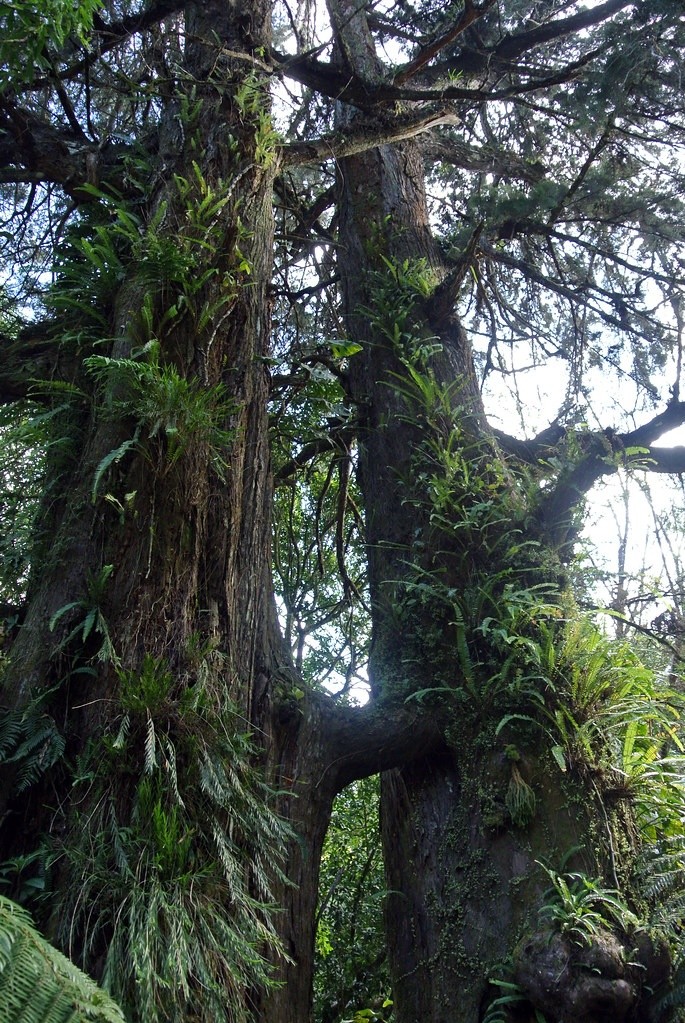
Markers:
(451, 195)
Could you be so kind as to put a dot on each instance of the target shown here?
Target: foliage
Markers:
(372, 1015)
(660, 880)
(172, 894)
(250, 99)
(319, 564)
(29, 29)
(23, 435)
(609, 716)
(31, 743)
(398, 289)
(580, 907)
(164, 405)
(93, 621)
(38, 984)
(351, 970)
(511, 996)
(172, 269)
(550, 236)
(520, 799)
(474, 570)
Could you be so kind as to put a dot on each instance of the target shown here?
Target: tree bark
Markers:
(462, 869)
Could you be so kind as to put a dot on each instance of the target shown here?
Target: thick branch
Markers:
(482, 159)
(32, 149)
(337, 440)
(604, 453)
(516, 45)
(366, 740)
(366, 93)
(378, 131)
(117, 31)
(469, 15)
(668, 460)
(357, 90)
(442, 301)
(531, 451)
(672, 417)
(500, 57)
(28, 362)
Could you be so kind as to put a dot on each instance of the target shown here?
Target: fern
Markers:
(40, 985)
(32, 743)
(10, 732)
(112, 458)
(170, 888)
(667, 1007)
(660, 879)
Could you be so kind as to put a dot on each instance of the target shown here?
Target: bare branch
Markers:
(469, 15)
(381, 130)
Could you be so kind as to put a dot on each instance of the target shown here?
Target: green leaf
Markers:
(40, 985)
(558, 754)
(111, 459)
(345, 350)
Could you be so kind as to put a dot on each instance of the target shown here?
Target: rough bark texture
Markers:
(178, 531)
(464, 883)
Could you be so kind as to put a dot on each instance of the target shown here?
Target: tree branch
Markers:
(603, 453)
(575, 295)
(482, 160)
(107, 36)
(380, 130)
(337, 440)
(32, 149)
(531, 451)
(441, 302)
(514, 46)
(365, 93)
(32, 359)
(378, 737)
(469, 15)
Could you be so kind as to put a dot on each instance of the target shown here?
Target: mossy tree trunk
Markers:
(150, 631)
(154, 567)
(465, 829)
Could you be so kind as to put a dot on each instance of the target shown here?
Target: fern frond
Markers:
(170, 767)
(10, 732)
(112, 458)
(40, 750)
(40, 985)
(150, 747)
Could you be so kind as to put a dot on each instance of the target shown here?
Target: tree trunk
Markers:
(155, 579)
(467, 828)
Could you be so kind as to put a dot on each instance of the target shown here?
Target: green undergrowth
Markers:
(166, 866)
